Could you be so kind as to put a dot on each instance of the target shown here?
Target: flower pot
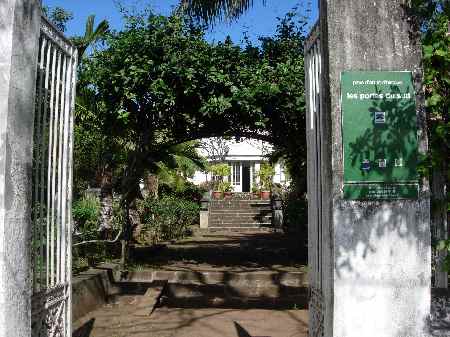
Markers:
(265, 195)
(257, 195)
(227, 195)
(217, 195)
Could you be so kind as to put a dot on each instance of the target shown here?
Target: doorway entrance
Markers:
(246, 178)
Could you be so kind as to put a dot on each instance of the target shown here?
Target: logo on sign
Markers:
(365, 165)
(380, 117)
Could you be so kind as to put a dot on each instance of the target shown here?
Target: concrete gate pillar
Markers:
(373, 269)
(19, 35)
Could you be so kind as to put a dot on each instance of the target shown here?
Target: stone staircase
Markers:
(187, 289)
(239, 214)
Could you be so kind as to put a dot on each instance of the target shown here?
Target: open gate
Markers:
(313, 71)
(52, 184)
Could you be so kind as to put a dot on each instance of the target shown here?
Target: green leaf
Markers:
(442, 245)
(428, 51)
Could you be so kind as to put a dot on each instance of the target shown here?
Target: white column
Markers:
(257, 168)
(19, 35)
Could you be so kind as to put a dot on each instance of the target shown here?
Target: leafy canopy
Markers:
(159, 83)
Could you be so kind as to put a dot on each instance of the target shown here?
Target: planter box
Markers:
(228, 195)
(217, 195)
(265, 195)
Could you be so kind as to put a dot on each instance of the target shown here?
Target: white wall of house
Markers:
(245, 158)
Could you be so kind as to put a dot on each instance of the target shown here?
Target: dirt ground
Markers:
(226, 251)
(230, 252)
(119, 320)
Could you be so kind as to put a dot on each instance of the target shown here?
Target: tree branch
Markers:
(99, 241)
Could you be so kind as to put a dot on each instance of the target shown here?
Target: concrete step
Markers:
(237, 217)
(259, 229)
(240, 219)
(149, 301)
(221, 295)
(223, 288)
(239, 203)
(201, 277)
(233, 217)
(237, 206)
(240, 212)
(244, 225)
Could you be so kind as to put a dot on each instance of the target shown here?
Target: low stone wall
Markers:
(91, 289)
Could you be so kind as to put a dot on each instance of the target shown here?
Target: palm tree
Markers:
(211, 10)
(91, 35)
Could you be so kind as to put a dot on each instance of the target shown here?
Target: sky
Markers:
(260, 20)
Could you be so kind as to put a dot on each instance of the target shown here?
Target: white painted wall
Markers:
(248, 151)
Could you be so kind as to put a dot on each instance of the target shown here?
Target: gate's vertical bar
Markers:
(55, 171)
(50, 166)
(40, 165)
(37, 166)
(62, 180)
(60, 171)
(70, 188)
(64, 225)
(44, 181)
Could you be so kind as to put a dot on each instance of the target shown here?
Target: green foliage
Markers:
(444, 245)
(161, 84)
(211, 10)
(266, 173)
(225, 186)
(91, 35)
(189, 191)
(86, 214)
(58, 16)
(436, 58)
(432, 18)
(220, 170)
(168, 218)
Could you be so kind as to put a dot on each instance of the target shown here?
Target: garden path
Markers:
(224, 252)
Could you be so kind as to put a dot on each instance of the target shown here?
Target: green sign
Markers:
(379, 129)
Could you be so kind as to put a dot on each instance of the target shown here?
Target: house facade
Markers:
(244, 158)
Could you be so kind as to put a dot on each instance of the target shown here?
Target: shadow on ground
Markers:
(227, 251)
(224, 285)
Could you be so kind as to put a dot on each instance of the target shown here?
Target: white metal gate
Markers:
(52, 184)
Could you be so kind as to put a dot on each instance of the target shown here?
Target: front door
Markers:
(245, 178)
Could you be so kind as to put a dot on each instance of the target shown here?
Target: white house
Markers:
(244, 157)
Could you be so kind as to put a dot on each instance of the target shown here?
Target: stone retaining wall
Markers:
(91, 289)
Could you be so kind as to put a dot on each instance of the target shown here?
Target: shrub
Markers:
(220, 170)
(189, 191)
(168, 218)
(225, 186)
(266, 173)
(86, 214)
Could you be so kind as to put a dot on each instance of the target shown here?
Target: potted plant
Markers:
(226, 188)
(266, 173)
(256, 192)
(219, 172)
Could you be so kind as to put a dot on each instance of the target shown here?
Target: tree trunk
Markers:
(106, 202)
(136, 225)
(151, 184)
(439, 221)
